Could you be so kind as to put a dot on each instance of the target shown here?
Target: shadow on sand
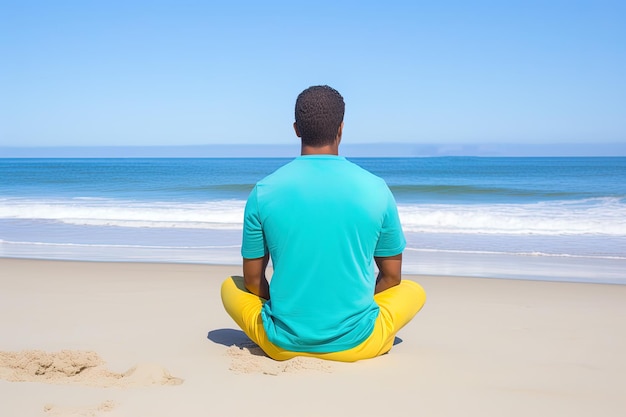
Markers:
(232, 337)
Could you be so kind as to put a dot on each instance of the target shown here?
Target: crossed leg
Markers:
(398, 305)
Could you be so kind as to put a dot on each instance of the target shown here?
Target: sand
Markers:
(135, 340)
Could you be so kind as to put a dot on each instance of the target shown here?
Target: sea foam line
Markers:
(92, 245)
(528, 254)
(408, 249)
(601, 216)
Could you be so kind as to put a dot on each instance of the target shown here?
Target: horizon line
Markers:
(378, 149)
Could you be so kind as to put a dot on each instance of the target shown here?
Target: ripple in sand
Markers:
(60, 411)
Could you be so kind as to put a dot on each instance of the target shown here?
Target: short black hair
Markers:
(319, 113)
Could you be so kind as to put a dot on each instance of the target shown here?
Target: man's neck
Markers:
(320, 150)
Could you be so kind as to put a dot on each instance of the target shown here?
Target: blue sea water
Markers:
(528, 218)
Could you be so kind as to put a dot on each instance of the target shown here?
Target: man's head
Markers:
(319, 114)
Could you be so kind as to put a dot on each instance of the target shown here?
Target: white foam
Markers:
(602, 216)
(224, 215)
(605, 216)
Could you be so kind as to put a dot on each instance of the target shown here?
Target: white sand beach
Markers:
(139, 339)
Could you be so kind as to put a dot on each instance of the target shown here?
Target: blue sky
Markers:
(118, 73)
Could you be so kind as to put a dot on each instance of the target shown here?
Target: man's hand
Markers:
(390, 272)
(254, 276)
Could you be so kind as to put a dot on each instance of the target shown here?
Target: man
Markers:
(324, 222)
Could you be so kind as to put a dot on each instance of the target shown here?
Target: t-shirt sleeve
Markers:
(253, 242)
(391, 241)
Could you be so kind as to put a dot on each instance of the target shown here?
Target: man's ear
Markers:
(339, 133)
(295, 127)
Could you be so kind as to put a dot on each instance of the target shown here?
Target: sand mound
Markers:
(42, 365)
(251, 360)
(80, 367)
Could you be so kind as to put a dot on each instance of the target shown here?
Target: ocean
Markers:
(559, 219)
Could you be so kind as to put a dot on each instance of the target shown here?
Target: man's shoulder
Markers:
(280, 172)
(365, 175)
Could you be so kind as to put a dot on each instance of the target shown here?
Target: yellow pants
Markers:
(398, 305)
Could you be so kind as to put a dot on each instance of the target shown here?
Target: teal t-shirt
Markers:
(322, 219)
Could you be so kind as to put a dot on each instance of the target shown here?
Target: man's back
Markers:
(323, 220)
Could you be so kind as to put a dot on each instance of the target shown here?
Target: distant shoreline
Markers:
(347, 149)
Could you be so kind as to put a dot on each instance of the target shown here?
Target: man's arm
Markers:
(390, 272)
(254, 276)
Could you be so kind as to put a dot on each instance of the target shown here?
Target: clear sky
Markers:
(142, 73)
